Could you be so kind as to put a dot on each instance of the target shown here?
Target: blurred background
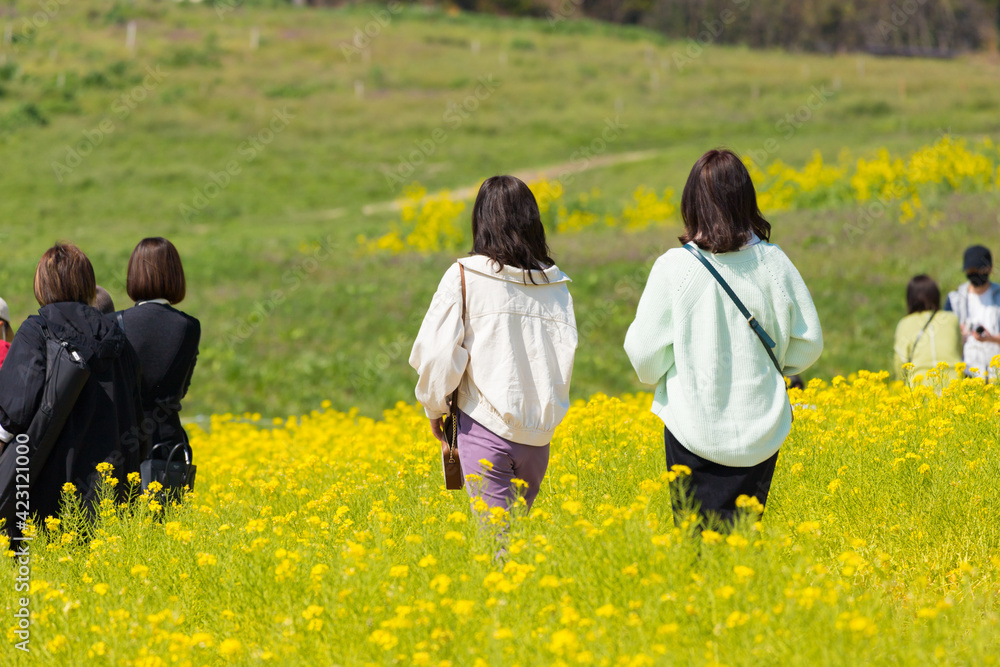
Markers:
(315, 162)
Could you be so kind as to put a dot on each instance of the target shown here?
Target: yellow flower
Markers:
(737, 541)
(463, 607)
(725, 592)
(230, 647)
(572, 506)
(440, 583)
(101, 589)
(710, 537)
(312, 611)
(606, 611)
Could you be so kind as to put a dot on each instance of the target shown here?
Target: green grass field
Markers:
(103, 145)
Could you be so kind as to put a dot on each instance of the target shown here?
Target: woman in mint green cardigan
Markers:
(719, 392)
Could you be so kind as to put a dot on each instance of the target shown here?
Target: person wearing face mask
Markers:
(977, 305)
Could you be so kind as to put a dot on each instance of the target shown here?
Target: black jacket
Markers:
(166, 342)
(103, 425)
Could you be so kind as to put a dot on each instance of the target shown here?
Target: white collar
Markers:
(484, 265)
(163, 302)
(754, 240)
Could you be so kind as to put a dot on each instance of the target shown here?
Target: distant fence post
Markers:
(130, 36)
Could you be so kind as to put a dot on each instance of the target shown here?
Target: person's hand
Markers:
(985, 337)
(437, 428)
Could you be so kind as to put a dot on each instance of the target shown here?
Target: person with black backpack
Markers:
(94, 416)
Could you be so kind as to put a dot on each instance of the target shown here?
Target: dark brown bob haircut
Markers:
(155, 272)
(719, 204)
(507, 227)
(922, 293)
(64, 274)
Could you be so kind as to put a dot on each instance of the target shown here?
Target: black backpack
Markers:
(23, 458)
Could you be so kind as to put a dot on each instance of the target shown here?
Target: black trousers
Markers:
(715, 487)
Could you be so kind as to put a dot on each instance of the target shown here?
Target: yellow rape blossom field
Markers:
(328, 539)
(882, 181)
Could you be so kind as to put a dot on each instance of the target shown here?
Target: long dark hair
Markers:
(719, 204)
(922, 293)
(507, 227)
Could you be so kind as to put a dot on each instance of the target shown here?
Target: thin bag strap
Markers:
(758, 329)
(454, 395)
(913, 348)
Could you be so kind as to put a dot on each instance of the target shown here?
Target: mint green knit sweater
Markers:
(716, 389)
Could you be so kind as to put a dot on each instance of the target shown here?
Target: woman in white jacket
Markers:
(512, 356)
(718, 391)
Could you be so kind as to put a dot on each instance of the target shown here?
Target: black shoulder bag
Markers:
(751, 320)
(23, 458)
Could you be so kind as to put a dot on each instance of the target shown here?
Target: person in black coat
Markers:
(102, 425)
(165, 338)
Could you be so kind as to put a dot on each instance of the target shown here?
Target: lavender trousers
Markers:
(510, 460)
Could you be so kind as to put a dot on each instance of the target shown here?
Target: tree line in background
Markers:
(905, 27)
(902, 26)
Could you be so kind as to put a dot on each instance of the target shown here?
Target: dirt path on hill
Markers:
(469, 192)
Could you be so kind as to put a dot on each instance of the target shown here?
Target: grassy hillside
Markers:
(253, 139)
